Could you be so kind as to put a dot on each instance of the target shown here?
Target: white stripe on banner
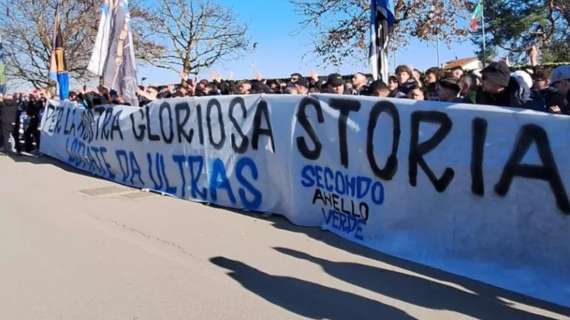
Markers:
(479, 191)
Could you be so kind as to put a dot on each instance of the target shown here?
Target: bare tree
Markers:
(27, 31)
(342, 26)
(200, 33)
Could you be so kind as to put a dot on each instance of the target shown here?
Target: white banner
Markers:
(475, 190)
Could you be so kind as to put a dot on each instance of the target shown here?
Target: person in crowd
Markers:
(560, 82)
(524, 92)
(104, 96)
(295, 77)
(419, 77)
(498, 88)
(73, 96)
(214, 89)
(393, 85)
(165, 92)
(147, 95)
(469, 84)
(448, 90)
(335, 84)
(291, 86)
(244, 87)
(290, 89)
(430, 92)
(226, 88)
(359, 84)
(406, 81)
(258, 87)
(8, 111)
(556, 103)
(540, 80)
(27, 124)
(431, 76)
(299, 86)
(275, 86)
(181, 91)
(315, 83)
(456, 73)
(203, 88)
(87, 99)
(116, 99)
(378, 89)
(416, 94)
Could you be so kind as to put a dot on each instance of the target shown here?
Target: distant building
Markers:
(467, 64)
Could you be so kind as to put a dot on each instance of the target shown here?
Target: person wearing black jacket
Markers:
(335, 84)
(359, 84)
(31, 134)
(560, 84)
(8, 111)
(498, 88)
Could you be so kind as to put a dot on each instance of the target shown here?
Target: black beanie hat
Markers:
(334, 80)
(497, 73)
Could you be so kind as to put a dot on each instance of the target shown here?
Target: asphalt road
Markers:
(77, 247)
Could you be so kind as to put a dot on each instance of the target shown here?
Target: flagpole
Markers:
(111, 9)
(483, 30)
(437, 49)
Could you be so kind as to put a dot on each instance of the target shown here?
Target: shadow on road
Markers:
(307, 299)
(39, 159)
(415, 290)
(482, 290)
(485, 303)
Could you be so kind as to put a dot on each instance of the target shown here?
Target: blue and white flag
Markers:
(101, 48)
(2, 70)
(52, 76)
(381, 25)
(114, 54)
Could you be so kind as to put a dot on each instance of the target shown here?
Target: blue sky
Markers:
(283, 46)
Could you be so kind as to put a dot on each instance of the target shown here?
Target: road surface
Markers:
(77, 247)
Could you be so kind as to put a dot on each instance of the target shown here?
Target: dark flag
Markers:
(381, 26)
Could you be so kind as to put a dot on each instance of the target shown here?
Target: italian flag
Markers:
(477, 16)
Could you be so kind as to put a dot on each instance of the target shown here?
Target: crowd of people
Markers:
(536, 89)
(20, 120)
